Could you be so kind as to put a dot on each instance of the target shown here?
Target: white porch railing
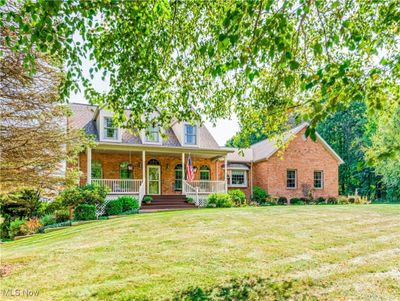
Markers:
(199, 190)
(142, 192)
(118, 186)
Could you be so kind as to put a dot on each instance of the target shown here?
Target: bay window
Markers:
(237, 178)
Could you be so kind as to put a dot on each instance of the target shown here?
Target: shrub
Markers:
(31, 226)
(259, 195)
(332, 201)
(15, 227)
(343, 200)
(361, 200)
(351, 199)
(48, 219)
(296, 201)
(237, 196)
(190, 200)
(128, 203)
(320, 200)
(61, 215)
(282, 200)
(114, 207)
(85, 212)
(220, 200)
(148, 199)
(88, 194)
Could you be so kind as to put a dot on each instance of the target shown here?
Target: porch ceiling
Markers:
(160, 150)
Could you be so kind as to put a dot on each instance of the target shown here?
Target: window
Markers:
(291, 178)
(204, 173)
(237, 178)
(110, 130)
(96, 170)
(318, 179)
(178, 177)
(190, 134)
(153, 134)
(124, 172)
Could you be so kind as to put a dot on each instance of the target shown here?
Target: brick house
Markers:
(139, 164)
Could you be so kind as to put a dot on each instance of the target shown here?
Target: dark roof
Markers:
(83, 118)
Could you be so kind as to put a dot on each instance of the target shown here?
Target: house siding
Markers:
(305, 156)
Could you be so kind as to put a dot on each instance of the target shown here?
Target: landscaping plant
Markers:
(220, 200)
(237, 196)
(31, 226)
(114, 207)
(128, 203)
(259, 195)
(85, 212)
(148, 199)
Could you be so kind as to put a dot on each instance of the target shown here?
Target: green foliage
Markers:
(220, 200)
(88, 194)
(320, 200)
(48, 219)
(128, 203)
(85, 212)
(266, 58)
(148, 199)
(61, 215)
(15, 228)
(332, 201)
(190, 200)
(237, 196)
(259, 195)
(282, 200)
(114, 207)
(296, 201)
(25, 203)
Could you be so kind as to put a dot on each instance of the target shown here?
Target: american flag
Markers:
(189, 170)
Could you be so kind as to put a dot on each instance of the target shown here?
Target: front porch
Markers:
(140, 173)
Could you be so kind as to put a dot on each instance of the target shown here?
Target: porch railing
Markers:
(209, 186)
(142, 192)
(118, 186)
(200, 190)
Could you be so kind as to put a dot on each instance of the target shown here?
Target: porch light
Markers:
(194, 169)
(130, 167)
(167, 166)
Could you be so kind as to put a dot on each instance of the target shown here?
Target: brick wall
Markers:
(111, 162)
(304, 156)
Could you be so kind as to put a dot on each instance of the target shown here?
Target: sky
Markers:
(223, 130)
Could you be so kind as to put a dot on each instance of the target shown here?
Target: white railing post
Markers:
(226, 173)
(88, 165)
(197, 196)
(183, 173)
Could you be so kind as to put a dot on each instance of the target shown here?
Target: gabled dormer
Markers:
(106, 128)
(152, 135)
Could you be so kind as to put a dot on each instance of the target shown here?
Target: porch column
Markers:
(226, 173)
(216, 172)
(88, 165)
(144, 166)
(183, 172)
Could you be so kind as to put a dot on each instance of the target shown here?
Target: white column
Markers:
(226, 173)
(183, 172)
(144, 167)
(251, 179)
(88, 165)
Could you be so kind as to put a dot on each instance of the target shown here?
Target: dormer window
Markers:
(153, 134)
(110, 130)
(190, 134)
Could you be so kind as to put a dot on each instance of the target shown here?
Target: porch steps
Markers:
(165, 202)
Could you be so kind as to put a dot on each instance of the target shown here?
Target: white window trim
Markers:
(144, 138)
(322, 179)
(183, 134)
(102, 135)
(295, 178)
(237, 185)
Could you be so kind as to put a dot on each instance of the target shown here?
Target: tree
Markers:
(35, 144)
(188, 59)
(384, 154)
(349, 133)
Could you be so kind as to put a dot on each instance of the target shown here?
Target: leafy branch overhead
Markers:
(262, 60)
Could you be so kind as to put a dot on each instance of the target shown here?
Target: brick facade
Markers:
(304, 156)
(111, 167)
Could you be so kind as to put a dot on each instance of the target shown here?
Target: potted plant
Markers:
(147, 199)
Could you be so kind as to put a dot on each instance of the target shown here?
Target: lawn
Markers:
(326, 252)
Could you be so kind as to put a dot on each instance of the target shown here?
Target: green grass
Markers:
(330, 252)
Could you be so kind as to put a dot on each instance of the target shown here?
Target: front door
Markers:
(153, 179)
